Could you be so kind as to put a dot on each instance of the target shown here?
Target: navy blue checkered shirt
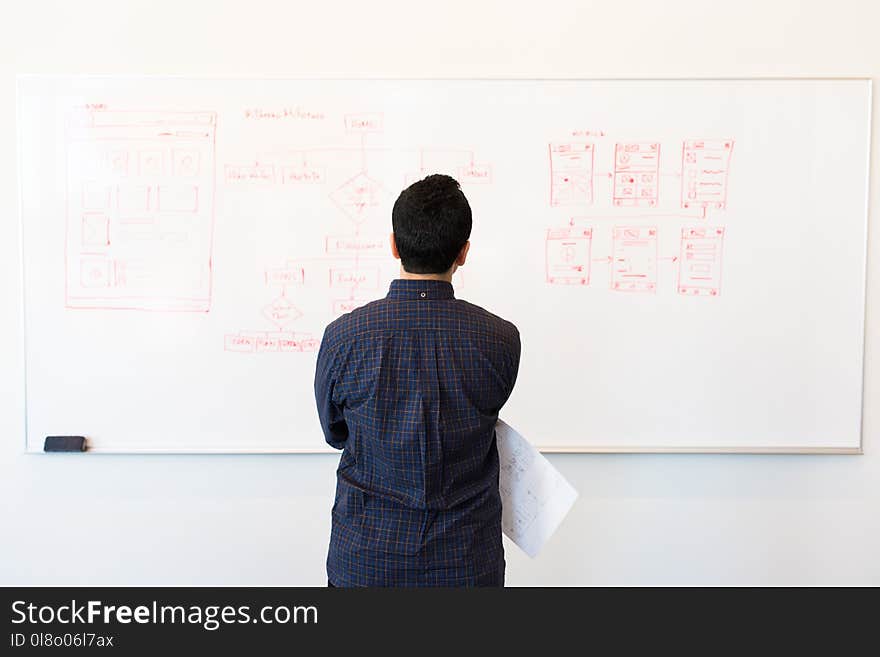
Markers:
(409, 388)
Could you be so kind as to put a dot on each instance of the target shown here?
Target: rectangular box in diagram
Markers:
(699, 269)
(571, 174)
(186, 163)
(95, 230)
(95, 272)
(250, 173)
(360, 245)
(240, 343)
(268, 343)
(476, 173)
(298, 343)
(127, 171)
(117, 162)
(283, 276)
(151, 162)
(568, 255)
(360, 277)
(704, 167)
(364, 122)
(636, 173)
(302, 174)
(634, 259)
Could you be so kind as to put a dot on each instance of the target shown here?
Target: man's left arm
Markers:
(514, 350)
(515, 353)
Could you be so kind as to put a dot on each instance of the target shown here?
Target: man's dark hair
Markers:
(431, 220)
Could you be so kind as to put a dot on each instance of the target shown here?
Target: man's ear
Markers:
(462, 255)
(394, 250)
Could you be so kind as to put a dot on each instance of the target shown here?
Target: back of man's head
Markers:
(431, 220)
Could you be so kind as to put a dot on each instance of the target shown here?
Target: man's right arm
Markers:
(330, 412)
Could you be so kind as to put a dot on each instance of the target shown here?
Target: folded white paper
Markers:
(535, 497)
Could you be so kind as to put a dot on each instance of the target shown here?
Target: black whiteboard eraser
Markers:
(64, 444)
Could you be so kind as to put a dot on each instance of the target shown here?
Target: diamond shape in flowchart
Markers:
(281, 312)
(359, 196)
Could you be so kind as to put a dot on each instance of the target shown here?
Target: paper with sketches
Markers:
(534, 495)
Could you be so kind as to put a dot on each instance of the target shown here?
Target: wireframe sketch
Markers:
(705, 164)
(634, 259)
(571, 174)
(568, 255)
(636, 173)
(699, 271)
(140, 210)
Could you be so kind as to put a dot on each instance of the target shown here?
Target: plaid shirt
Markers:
(409, 388)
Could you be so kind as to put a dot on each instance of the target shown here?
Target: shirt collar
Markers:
(420, 289)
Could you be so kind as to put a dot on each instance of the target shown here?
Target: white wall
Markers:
(263, 519)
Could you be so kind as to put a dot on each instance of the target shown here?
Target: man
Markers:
(409, 388)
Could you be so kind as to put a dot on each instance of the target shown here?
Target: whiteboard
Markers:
(685, 259)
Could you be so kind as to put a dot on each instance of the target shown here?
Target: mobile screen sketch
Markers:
(636, 173)
(568, 255)
(140, 189)
(700, 261)
(634, 261)
(571, 177)
(705, 163)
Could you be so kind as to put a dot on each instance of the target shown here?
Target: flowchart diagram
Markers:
(346, 263)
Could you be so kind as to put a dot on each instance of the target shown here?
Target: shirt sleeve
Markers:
(515, 352)
(329, 412)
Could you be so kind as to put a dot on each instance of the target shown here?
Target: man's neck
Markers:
(445, 276)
